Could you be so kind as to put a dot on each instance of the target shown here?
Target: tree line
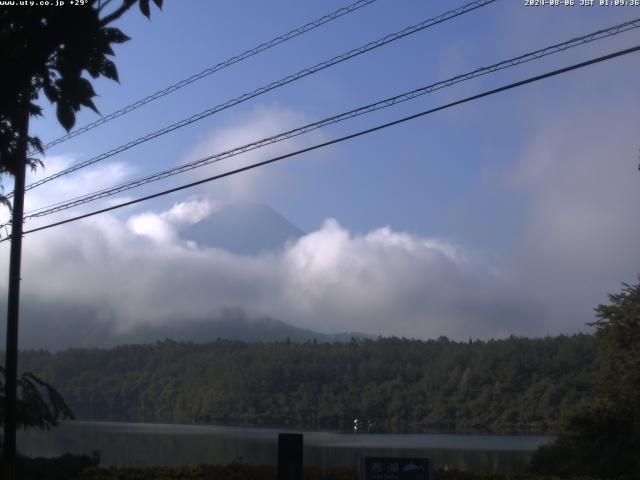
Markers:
(515, 385)
(601, 439)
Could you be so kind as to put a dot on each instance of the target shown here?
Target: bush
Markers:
(66, 467)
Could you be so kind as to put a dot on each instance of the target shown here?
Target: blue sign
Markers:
(396, 468)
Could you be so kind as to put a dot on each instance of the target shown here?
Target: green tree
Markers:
(39, 404)
(602, 439)
(49, 50)
(44, 49)
(322, 385)
(618, 334)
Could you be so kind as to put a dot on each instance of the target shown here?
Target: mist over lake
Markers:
(136, 444)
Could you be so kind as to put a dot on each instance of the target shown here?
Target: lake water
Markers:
(160, 444)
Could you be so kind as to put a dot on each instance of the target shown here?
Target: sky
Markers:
(513, 214)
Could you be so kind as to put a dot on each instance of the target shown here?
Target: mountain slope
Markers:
(243, 229)
(56, 326)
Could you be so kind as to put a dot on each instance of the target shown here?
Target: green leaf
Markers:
(93, 66)
(35, 110)
(144, 8)
(50, 91)
(108, 69)
(65, 115)
(85, 89)
(87, 102)
(115, 35)
(35, 143)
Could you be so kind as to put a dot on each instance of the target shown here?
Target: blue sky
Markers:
(442, 157)
(537, 183)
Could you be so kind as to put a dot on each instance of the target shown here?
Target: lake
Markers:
(126, 444)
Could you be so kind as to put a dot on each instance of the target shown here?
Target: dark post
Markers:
(290, 456)
(13, 306)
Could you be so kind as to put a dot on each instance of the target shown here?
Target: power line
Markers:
(510, 86)
(388, 102)
(215, 68)
(271, 86)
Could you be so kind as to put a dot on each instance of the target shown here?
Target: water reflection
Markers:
(156, 444)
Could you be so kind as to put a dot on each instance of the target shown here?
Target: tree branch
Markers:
(102, 5)
(126, 5)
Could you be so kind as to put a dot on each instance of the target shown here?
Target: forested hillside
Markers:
(515, 385)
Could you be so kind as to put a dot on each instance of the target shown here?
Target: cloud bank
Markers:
(577, 238)
(578, 175)
(139, 272)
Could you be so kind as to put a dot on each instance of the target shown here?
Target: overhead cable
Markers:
(213, 69)
(271, 86)
(504, 88)
(388, 102)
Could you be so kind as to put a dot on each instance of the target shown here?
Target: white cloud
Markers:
(70, 186)
(162, 228)
(385, 282)
(579, 239)
(578, 172)
(258, 184)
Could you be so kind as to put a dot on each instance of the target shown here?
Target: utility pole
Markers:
(13, 304)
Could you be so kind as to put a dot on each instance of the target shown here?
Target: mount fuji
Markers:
(243, 229)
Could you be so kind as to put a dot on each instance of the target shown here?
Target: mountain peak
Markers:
(243, 229)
